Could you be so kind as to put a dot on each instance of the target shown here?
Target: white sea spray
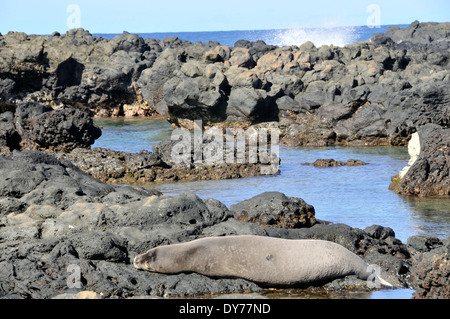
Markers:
(337, 36)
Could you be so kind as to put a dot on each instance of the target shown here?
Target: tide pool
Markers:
(355, 196)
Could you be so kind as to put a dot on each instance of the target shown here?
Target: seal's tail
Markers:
(374, 279)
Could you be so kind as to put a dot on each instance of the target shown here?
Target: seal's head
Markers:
(145, 261)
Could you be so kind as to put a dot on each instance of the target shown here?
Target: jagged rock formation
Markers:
(368, 93)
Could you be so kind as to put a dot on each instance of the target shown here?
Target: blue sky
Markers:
(46, 16)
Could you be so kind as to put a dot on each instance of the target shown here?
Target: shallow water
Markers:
(355, 196)
(131, 135)
(392, 294)
(304, 294)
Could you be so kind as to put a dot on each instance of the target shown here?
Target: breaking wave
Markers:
(337, 36)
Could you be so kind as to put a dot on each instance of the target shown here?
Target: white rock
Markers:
(414, 152)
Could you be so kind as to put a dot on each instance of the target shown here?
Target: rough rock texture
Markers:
(430, 173)
(378, 92)
(146, 167)
(32, 125)
(431, 267)
(139, 169)
(334, 163)
(74, 69)
(367, 93)
(52, 216)
(420, 33)
(275, 210)
(69, 133)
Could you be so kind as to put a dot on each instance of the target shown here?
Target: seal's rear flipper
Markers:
(384, 282)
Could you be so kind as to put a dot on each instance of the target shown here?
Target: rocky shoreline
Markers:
(69, 134)
(60, 209)
(378, 92)
(368, 93)
(53, 215)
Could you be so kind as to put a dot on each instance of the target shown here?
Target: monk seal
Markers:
(264, 260)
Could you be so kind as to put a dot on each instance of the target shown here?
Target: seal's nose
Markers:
(138, 262)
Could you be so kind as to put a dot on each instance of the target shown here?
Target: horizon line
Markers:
(216, 31)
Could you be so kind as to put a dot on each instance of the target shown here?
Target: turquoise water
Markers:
(131, 135)
(356, 196)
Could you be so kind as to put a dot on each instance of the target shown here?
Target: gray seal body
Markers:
(263, 260)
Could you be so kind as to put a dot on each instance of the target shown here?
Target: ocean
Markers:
(337, 36)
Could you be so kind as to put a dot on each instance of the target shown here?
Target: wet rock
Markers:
(208, 162)
(353, 162)
(327, 163)
(334, 163)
